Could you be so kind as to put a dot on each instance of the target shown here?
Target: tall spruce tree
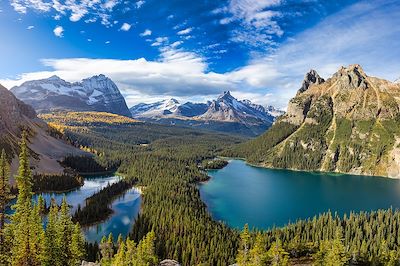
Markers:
(5, 196)
(243, 257)
(26, 244)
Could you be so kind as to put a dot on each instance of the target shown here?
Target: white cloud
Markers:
(107, 42)
(185, 31)
(76, 10)
(160, 41)
(126, 27)
(31, 27)
(89, 40)
(147, 32)
(257, 24)
(59, 31)
(366, 33)
(139, 4)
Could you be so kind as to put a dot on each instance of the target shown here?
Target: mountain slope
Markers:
(97, 93)
(16, 116)
(348, 123)
(225, 114)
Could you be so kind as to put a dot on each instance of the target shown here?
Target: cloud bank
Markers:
(366, 33)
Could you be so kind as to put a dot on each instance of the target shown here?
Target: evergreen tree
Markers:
(5, 196)
(145, 251)
(337, 255)
(243, 257)
(106, 249)
(25, 240)
(65, 229)
(258, 255)
(52, 243)
(42, 204)
(277, 255)
(120, 257)
(77, 246)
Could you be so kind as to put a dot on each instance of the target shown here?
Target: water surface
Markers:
(126, 207)
(240, 193)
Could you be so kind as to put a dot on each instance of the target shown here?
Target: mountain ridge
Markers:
(225, 110)
(348, 123)
(45, 150)
(97, 93)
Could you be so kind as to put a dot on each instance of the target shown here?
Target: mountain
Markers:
(46, 150)
(97, 93)
(155, 110)
(229, 109)
(349, 123)
(225, 114)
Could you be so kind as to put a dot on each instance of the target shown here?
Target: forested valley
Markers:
(174, 222)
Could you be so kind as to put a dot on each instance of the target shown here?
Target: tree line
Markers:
(97, 207)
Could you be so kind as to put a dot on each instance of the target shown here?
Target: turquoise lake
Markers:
(240, 194)
(126, 207)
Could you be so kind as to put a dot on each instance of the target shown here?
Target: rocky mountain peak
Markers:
(225, 95)
(55, 78)
(352, 76)
(97, 93)
(397, 81)
(310, 78)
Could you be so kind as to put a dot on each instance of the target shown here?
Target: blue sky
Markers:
(193, 50)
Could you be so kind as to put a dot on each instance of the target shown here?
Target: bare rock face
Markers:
(169, 263)
(299, 106)
(310, 78)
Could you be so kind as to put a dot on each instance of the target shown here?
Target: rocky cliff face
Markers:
(97, 93)
(348, 123)
(16, 116)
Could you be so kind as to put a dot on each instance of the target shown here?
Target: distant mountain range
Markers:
(349, 123)
(97, 93)
(45, 150)
(226, 113)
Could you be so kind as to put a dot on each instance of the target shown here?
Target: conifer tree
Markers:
(145, 251)
(25, 241)
(277, 255)
(120, 257)
(77, 246)
(337, 255)
(243, 257)
(41, 204)
(258, 255)
(106, 249)
(64, 228)
(4, 197)
(52, 243)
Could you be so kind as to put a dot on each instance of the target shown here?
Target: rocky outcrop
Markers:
(97, 93)
(310, 78)
(348, 123)
(169, 263)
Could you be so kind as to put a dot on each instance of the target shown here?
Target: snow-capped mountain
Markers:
(97, 93)
(155, 110)
(226, 113)
(229, 109)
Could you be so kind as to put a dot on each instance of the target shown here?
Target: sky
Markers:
(194, 50)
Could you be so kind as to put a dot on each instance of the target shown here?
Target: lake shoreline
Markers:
(286, 187)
